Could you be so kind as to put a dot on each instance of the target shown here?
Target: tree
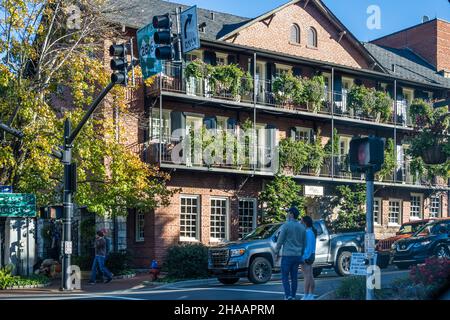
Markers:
(351, 215)
(52, 68)
(279, 195)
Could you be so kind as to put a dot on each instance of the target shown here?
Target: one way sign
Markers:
(189, 30)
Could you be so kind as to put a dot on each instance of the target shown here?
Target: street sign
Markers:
(369, 243)
(17, 205)
(67, 247)
(146, 45)
(358, 264)
(189, 30)
(6, 189)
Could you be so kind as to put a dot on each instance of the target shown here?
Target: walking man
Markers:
(292, 240)
(99, 260)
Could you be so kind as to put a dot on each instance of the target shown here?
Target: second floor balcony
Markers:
(254, 90)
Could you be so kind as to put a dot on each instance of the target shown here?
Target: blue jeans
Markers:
(100, 261)
(289, 267)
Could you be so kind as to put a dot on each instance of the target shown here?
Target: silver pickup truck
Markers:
(254, 255)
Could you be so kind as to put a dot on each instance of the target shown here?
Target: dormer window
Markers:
(312, 37)
(295, 34)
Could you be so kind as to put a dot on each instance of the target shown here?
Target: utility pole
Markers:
(370, 235)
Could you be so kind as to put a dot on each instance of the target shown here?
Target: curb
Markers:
(125, 276)
(182, 284)
(34, 286)
(326, 295)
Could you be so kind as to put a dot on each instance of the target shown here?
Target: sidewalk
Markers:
(115, 285)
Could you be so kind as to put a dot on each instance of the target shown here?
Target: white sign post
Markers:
(190, 37)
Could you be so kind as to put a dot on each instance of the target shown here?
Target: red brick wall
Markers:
(429, 40)
(275, 36)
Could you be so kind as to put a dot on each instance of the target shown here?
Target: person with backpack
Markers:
(292, 239)
(308, 258)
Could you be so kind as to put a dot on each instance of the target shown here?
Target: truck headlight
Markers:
(420, 244)
(237, 252)
(393, 246)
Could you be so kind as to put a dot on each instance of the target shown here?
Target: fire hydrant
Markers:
(154, 271)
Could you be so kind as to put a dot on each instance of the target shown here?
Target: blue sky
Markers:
(395, 14)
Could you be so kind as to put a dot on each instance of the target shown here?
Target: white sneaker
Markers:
(311, 297)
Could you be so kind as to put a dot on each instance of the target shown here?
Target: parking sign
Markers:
(189, 30)
(147, 59)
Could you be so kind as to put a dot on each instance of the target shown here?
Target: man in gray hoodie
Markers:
(292, 241)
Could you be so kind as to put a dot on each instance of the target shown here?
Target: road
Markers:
(213, 290)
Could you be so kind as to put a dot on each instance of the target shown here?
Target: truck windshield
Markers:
(262, 232)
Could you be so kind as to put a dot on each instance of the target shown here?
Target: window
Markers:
(155, 132)
(344, 145)
(394, 212)
(435, 206)
(139, 231)
(295, 34)
(193, 55)
(416, 207)
(312, 37)
(189, 219)
(247, 216)
(219, 219)
(377, 212)
(221, 59)
(280, 69)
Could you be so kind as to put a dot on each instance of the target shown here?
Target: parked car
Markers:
(383, 247)
(254, 255)
(430, 240)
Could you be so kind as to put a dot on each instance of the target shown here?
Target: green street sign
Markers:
(21, 205)
(146, 45)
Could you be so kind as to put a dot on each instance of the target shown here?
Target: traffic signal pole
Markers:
(369, 231)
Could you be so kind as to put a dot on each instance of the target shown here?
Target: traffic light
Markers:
(366, 153)
(119, 63)
(163, 37)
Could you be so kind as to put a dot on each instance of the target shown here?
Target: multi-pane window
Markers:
(312, 37)
(394, 212)
(156, 128)
(247, 216)
(377, 211)
(219, 219)
(435, 206)
(221, 59)
(303, 134)
(416, 206)
(295, 34)
(140, 222)
(189, 219)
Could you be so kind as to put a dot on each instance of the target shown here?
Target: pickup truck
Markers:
(254, 255)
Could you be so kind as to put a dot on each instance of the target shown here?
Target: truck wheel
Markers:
(317, 272)
(228, 281)
(260, 270)
(342, 264)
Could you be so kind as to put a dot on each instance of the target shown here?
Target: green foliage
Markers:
(316, 155)
(294, 154)
(197, 69)
(420, 112)
(118, 262)
(314, 91)
(288, 88)
(228, 78)
(353, 288)
(187, 261)
(7, 280)
(350, 201)
(417, 167)
(333, 143)
(390, 163)
(280, 194)
(361, 99)
(84, 262)
(383, 106)
(247, 84)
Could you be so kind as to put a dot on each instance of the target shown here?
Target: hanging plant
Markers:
(228, 78)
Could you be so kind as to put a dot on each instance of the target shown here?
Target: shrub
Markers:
(314, 91)
(361, 100)
(7, 280)
(294, 154)
(84, 262)
(288, 88)
(420, 112)
(117, 262)
(228, 78)
(434, 271)
(389, 165)
(187, 261)
(383, 106)
(353, 288)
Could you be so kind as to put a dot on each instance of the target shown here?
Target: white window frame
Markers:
(346, 140)
(227, 219)
(440, 206)
(198, 53)
(139, 217)
(380, 211)
(298, 38)
(281, 68)
(420, 196)
(349, 81)
(197, 222)
(166, 117)
(255, 211)
(304, 130)
(221, 55)
(400, 213)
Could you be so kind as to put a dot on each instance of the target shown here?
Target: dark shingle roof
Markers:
(138, 13)
(408, 65)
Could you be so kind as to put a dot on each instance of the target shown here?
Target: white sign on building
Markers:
(314, 191)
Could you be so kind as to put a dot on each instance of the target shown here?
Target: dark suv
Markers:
(430, 240)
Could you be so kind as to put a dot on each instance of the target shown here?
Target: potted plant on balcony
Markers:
(314, 92)
(430, 139)
(247, 85)
(293, 156)
(361, 101)
(228, 80)
(389, 165)
(287, 89)
(382, 108)
(316, 155)
(195, 72)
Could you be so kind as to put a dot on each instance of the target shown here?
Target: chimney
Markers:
(212, 15)
(393, 67)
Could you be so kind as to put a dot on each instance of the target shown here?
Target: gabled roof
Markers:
(408, 65)
(139, 13)
(324, 10)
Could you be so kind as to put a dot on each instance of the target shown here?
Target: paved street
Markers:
(210, 290)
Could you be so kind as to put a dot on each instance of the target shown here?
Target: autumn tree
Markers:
(51, 68)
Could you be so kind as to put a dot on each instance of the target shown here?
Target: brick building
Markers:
(219, 202)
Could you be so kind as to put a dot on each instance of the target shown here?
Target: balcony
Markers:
(333, 105)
